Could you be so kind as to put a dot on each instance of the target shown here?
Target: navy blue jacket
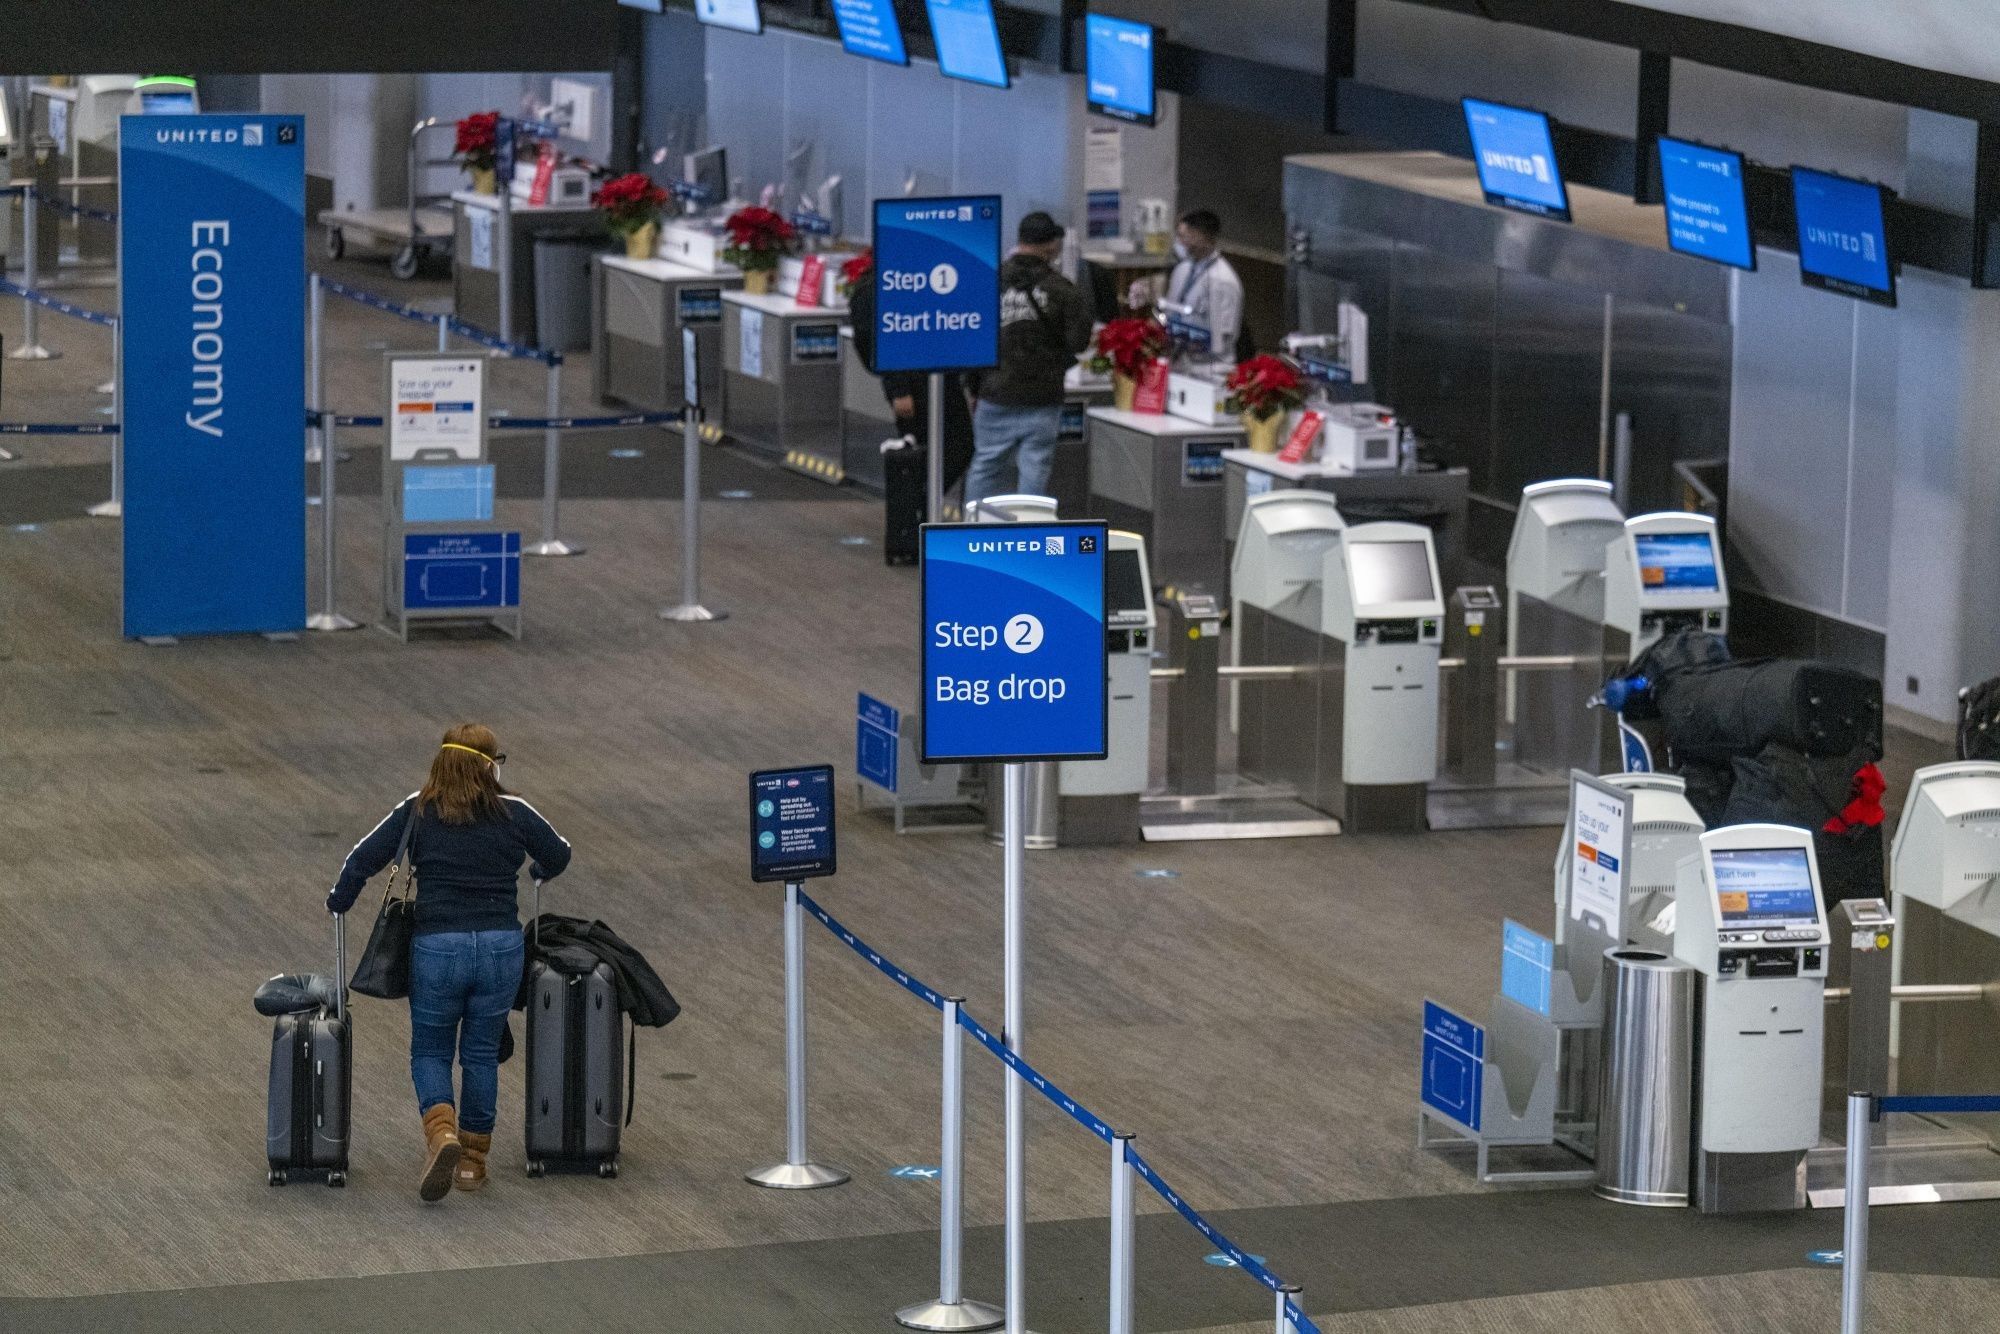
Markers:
(466, 873)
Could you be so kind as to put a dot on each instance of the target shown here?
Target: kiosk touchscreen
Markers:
(1100, 798)
(1382, 619)
(1662, 574)
(1750, 920)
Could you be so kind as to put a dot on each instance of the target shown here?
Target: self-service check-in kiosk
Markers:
(1562, 536)
(1750, 919)
(1663, 574)
(1276, 603)
(1382, 631)
(1100, 798)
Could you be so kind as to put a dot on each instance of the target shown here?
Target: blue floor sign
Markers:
(877, 730)
(470, 571)
(1454, 1064)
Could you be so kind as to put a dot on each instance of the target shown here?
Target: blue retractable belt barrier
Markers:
(466, 331)
(58, 428)
(1036, 1080)
(929, 995)
(314, 418)
(59, 306)
(1940, 1102)
(1245, 1261)
(80, 210)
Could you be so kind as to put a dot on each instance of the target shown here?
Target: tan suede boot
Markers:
(441, 1143)
(474, 1147)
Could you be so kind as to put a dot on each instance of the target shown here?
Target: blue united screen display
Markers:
(1516, 156)
(1013, 642)
(968, 41)
(791, 823)
(1676, 562)
(1843, 241)
(1707, 214)
(742, 15)
(937, 283)
(1118, 67)
(869, 28)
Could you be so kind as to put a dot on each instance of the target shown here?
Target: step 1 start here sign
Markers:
(937, 283)
(1014, 662)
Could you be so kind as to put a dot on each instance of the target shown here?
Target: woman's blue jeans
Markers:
(462, 983)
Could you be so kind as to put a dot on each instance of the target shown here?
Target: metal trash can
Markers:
(1646, 1079)
(1038, 804)
(562, 289)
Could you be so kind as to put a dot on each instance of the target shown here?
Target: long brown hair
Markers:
(464, 787)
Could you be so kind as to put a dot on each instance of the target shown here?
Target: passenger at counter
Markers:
(1044, 326)
(466, 851)
(1207, 285)
(909, 392)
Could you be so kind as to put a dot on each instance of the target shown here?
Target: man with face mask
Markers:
(1205, 283)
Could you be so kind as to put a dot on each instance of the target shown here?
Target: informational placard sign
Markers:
(437, 407)
(1600, 846)
(791, 823)
(750, 344)
(1454, 1065)
(1708, 215)
(1516, 156)
(211, 250)
(1014, 664)
(691, 369)
(937, 284)
(1843, 237)
(1527, 966)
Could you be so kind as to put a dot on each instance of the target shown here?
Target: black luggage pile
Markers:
(1979, 721)
(1779, 741)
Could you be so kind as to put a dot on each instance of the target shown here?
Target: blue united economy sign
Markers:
(212, 264)
(1013, 642)
(937, 284)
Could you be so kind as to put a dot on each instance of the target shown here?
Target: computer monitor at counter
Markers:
(1676, 563)
(1125, 591)
(1385, 572)
(1764, 887)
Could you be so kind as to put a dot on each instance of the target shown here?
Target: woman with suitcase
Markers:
(467, 839)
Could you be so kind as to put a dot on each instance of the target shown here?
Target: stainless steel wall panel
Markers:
(1439, 353)
(1671, 373)
(1548, 340)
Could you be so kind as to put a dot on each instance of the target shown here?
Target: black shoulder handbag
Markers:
(384, 969)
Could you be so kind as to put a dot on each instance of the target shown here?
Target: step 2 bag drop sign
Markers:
(1013, 642)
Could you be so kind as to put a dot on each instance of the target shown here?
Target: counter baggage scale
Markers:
(1563, 533)
(641, 306)
(1750, 920)
(1160, 476)
(445, 558)
(781, 380)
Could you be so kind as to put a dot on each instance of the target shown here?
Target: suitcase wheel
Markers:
(608, 1168)
(275, 1177)
(336, 1179)
(535, 1167)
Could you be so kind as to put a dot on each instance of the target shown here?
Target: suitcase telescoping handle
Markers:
(340, 966)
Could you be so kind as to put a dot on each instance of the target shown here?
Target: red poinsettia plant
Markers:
(478, 138)
(1264, 387)
(629, 202)
(757, 237)
(855, 272)
(1125, 346)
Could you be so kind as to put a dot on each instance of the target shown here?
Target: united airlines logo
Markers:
(1853, 243)
(1053, 546)
(1534, 165)
(997, 548)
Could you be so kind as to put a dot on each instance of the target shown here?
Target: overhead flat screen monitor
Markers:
(650, 6)
(1516, 156)
(1118, 67)
(1707, 215)
(1390, 572)
(1673, 563)
(741, 15)
(1124, 583)
(1764, 887)
(869, 28)
(1843, 240)
(968, 41)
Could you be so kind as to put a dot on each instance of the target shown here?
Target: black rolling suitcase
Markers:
(577, 1100)
(903, 503)
(312, 1079)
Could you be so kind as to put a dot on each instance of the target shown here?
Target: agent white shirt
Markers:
(1214, 292)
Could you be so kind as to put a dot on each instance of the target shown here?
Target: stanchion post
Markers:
(1854, 1239)
(444, 333)
(328, 618)
(690, 608)
(114, 508)
(315, 367)
(951, 1311)
(1288, 1294)
(797, 1172)
(1124, 1222)
(31, 348)
(934, 458)
(551, 545)
(1013, 861)
(503, 259)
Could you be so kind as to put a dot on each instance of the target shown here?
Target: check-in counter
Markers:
(1436, 498)
(782, 380)
(640, 307)
(1161, 477)
(476, 255)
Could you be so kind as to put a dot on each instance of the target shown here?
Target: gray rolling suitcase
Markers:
(576, 1074)
(312, 1078)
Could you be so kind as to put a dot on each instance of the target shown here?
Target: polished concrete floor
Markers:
(172, 816)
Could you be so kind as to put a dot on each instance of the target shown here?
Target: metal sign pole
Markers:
(551, 545)
(1013, 859)
(114, 508)
(503, 259)
(31, 348)
(690, 608)
(1854, 1239)
(934, 462)
(797, 1172)
(951, 1311)
(328, 618)
(1124, 1222)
